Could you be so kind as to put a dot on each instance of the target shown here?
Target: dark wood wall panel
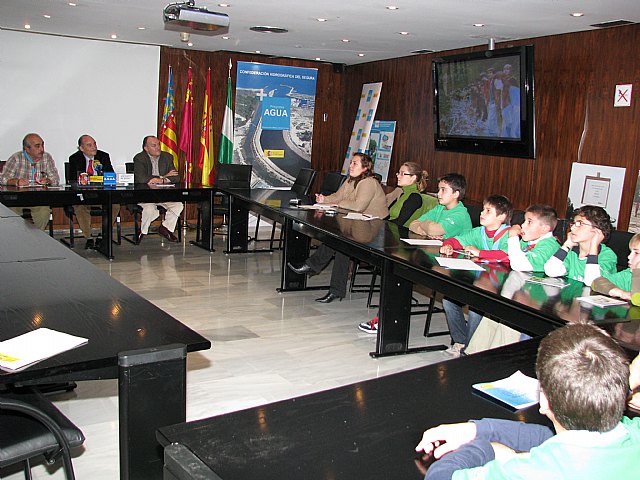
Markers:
(575, 78)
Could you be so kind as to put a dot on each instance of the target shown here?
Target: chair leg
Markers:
(118, 230)
(273, 234)
(199, 219)
(427, 323)
(51, 224)
(255, 233)
(374, 276)
(72, 235)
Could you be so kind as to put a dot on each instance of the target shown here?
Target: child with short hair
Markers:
(584, 380)
(487, 242)
(450, 217)
(583, 256)
(624, 284)
(531, 244)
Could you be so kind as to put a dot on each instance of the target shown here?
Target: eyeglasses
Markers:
(404, 174)
(581, 223)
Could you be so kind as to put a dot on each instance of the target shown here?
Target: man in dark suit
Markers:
(88, 159)
(153, 167)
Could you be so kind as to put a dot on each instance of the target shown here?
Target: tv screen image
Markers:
(483, 102)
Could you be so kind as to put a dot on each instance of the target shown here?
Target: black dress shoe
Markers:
(89, 244)
(139, 239)
(328, 298)
(164, 231)
(303, 269)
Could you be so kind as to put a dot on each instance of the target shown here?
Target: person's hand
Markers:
(569, 244)
(21, 182)
(319, 198)
(515, 231)
(435, 237)
(619, 293)
(472, 251)
(446, 250)
(446, 438)
(155, 181)
(596, 240)
(172, 173)
(416, 228)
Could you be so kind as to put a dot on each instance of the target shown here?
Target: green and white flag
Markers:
(226, 140)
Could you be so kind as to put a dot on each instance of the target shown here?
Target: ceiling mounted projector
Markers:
(186, 16)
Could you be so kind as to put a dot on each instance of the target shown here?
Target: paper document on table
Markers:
(602, 301)
(161, 185)
(515, 392)
(459, 264)
(24, 350)
(422, 241)
(317, 206)
(359, 216)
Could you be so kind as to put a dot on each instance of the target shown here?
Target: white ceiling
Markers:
(371, 28)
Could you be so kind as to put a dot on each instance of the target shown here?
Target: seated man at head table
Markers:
(585, 382)
(88, 159)
(155, 167)
(31, 166)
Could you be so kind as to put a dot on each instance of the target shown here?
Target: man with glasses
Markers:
(583, 256)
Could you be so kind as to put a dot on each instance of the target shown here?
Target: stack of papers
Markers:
(359, 216)
(554, 282)
(422, 242)
(24, 350)
(514, 392)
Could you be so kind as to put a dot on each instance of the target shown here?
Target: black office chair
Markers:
(228, 176)
(136, 213)
(619, 243)
(332, 182)
(31, 427)
(96, 211)
(474, 213)
(302, 185)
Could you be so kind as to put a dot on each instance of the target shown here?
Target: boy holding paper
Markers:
(624, 284)
(584, 380)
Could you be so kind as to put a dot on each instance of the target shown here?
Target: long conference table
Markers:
(497, 291)
(107, 197)
(45, 284)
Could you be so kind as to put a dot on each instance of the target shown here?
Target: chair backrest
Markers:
(474, 213)
(332, 182)
(67, 173)
(377, 176)
(304, 181)
(560, 232)
(517, 218)
(233, 176)
(129, 167)
(619, 243)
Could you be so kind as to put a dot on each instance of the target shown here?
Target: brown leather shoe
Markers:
(164, 231)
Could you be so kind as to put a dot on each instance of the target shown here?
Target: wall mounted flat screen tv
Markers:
(483, 102)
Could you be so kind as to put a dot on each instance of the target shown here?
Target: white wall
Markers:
(62, 88)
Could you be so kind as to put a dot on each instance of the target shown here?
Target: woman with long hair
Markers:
(362, 193)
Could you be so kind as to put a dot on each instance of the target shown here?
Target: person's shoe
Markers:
(455, 350)
(370, 327)
(98, 243)
(89, 244)
(140, 238)
(328, 298)
(303, 269)
(164, 231)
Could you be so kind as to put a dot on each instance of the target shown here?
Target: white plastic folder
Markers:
(25, 350)
(515, 392)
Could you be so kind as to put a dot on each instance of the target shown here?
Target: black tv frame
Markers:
(492, 145)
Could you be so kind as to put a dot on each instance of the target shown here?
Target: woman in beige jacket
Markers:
(362, 193)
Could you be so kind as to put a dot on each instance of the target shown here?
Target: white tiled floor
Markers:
(267, 346)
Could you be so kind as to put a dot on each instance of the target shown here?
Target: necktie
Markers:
(90, 167)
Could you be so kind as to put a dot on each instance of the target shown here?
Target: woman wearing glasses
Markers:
(362, 193)
(407, 202)
(583, 256)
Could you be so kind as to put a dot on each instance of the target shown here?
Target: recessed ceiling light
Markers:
(190, 44)
(317, 59)
(391, 7)
(478, 24)
(403, 33)
(142, 28)
(577, 14)
(46, 16)
(361, 54)
(114, 36)
(27, 26)
(258, 51)
(345, 40)
(224, 5)
(71, 4)
(225, 38)
(321, 19)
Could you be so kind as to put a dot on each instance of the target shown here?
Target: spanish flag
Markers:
(205, 158)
